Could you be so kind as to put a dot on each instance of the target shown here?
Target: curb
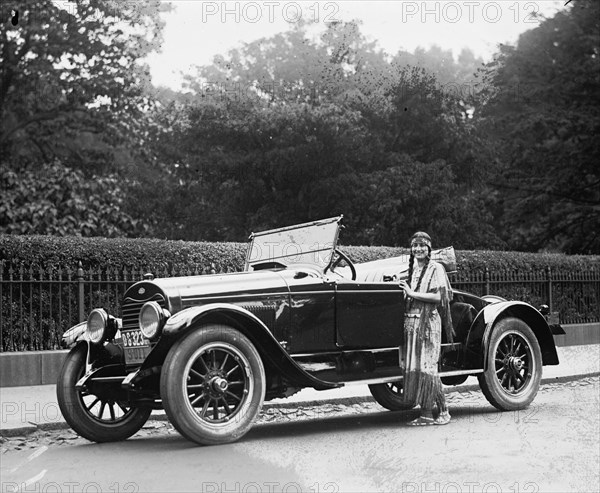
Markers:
(348, 401)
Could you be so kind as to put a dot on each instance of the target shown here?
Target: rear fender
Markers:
(495, 312)
(253, 328)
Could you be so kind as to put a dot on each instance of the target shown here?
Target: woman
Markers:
(427, 293)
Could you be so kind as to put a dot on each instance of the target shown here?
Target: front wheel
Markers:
(213, 385)
(96, 414)
(514, 366)
(390, 395)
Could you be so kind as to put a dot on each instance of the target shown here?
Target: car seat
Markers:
(463, 315)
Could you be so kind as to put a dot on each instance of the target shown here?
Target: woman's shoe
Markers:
(443, 418)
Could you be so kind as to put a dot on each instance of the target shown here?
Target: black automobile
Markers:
(211, 349)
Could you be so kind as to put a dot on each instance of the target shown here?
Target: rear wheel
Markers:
(213, 385)
(514, 366)
(96, 413)
(390, 395)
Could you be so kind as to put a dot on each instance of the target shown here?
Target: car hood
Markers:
(181, 292)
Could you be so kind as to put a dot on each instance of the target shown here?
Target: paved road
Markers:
(551, 446)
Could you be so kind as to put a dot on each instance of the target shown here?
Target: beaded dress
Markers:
(423, 326)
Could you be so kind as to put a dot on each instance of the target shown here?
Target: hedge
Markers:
(478, 260)
(34, 314)
(51, 252)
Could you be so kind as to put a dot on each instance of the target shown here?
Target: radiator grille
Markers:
(131, 310)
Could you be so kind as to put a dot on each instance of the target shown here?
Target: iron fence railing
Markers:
(37, 305)
(575, 296)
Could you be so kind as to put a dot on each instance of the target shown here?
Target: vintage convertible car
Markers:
(210, 349)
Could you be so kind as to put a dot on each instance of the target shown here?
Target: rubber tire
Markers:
(174, 395)
(488, 381)
(384, 396)
(77, 416)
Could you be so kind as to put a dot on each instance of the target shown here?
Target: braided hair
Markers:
(411, 264)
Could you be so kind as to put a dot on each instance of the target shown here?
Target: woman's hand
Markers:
(407, 289)
(426, 297)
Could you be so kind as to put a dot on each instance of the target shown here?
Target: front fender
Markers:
(252, 327)
(75, 334)
(78, 333)
(99, 356)
(532, 317)
(185, 319)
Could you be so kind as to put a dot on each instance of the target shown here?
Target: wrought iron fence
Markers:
(574, 295)
(37, 305)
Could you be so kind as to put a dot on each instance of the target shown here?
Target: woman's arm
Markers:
(426, 297)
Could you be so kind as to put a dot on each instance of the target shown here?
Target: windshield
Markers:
(308, 243)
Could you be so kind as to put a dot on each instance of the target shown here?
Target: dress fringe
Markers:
(422, 388)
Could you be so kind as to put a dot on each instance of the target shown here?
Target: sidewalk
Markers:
(26, 409)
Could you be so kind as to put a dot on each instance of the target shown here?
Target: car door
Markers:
(368, 314)
(312, 315)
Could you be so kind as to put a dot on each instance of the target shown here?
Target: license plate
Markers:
(134, 338)
(135, 355)
(136, 346)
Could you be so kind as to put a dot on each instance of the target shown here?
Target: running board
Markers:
(455, 373)
(374, 380)
(451, 345)
(370, 381)
(316, 366)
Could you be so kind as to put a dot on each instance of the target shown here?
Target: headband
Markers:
(420, 237)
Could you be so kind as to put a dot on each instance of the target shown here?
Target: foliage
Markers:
(69, 75)
(340, 64)
(294, 67)
(50, 253)
(61, 201)
(541, 115)
(33, 329)
(389, 161)
(296, 127)
(454, 77)
(72, 101)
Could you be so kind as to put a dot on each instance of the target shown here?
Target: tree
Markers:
(65, 203)
(541, 114)
(381, 143)
(441, 64)
(294, 67)
(70, 73)
(231, 167)
(430, 167)
(72, 90)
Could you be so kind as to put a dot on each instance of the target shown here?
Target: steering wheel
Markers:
(334, 263)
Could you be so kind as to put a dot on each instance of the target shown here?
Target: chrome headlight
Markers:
(151, 319)
(97, 323)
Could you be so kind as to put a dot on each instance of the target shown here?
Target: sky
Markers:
(197, 30)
